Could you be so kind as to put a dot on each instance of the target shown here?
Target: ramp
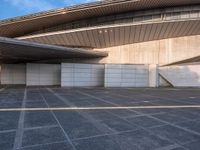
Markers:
(182, 75)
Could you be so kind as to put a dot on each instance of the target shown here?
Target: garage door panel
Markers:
(43, 74)
(126, 76)
(13, 74)
(80, 75)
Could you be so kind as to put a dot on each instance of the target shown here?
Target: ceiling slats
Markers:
(16, 51)
(109, 36)
(23, 25)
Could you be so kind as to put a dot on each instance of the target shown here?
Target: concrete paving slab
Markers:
(11, 105)
(170, 117)
(101, 115)
(35, 105)
(53, 146)
(175, 134)
(98, 143)
(193, 145)
(144, 121)
(191, 125)
(123, 113)
(9, 120)
(7, 140)
(178, 148)
(141, 139)
(119, 125)
(76, 126)
(110, 129)
(38, 119)
(42, 136)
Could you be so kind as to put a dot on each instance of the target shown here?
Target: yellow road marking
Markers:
(97, 108)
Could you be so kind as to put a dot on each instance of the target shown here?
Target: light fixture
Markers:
(64, 12)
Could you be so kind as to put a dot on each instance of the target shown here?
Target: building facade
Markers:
(112, 43)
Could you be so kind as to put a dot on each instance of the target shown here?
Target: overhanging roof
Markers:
(30, 23)
(115, 35)
(16, 51)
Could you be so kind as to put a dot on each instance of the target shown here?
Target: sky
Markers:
(14, 8)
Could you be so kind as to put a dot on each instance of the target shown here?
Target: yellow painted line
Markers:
(97, 108)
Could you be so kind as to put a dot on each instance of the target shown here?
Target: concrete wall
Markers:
(13, 74)
(163, 82)
(153, 52)
(43, 74)
(126, 76)
(153, 75)
(78, 75)
(182, 75)
(109, 75)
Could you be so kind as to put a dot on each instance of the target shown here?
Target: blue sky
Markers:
(13, 8)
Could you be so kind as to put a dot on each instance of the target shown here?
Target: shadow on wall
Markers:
(185, 75)
(85, 60)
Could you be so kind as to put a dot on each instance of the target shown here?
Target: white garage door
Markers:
(13, 74)
(43, 74)
(80, 75)
(126, 76)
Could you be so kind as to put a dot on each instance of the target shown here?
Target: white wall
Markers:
(43, 74)
(182, 75)
(80, 75)
(13, 74)
(126, 75)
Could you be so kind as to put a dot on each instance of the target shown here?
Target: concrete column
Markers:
(153, 75)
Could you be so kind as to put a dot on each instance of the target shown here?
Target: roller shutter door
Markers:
(126, 75)
(82, 75)
(13, 74)
(43, 74)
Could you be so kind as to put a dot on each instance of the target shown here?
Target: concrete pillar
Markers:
(153, 75)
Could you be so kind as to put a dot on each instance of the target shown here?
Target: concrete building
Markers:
(112, 43)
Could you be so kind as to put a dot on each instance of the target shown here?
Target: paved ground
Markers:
(106, 129)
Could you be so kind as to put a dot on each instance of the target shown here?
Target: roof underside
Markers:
(17, 51)
(115, 35)
(27, 24)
